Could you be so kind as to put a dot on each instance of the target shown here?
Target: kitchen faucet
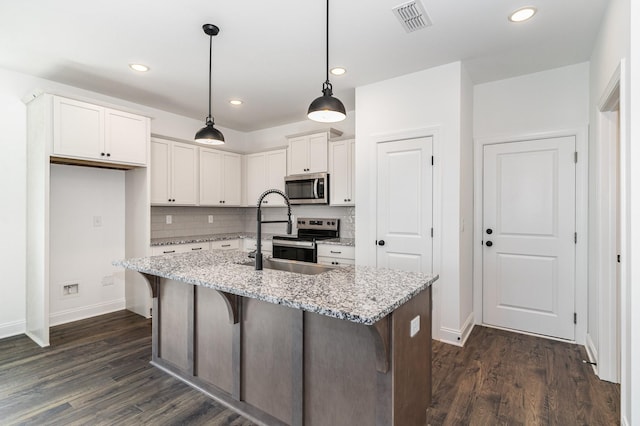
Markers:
(260, 222)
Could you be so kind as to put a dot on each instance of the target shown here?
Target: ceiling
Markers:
(271, 54)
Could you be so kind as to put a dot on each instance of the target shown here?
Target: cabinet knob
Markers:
(108, 154)
(102, 154)
(488, 243)
(381, 243)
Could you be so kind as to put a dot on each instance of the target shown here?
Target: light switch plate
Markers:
(414, 328)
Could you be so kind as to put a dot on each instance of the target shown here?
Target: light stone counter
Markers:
(359, 294)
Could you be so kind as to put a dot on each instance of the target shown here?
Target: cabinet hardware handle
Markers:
(108, 154)
(335, 252)
(102, 154)
(168, 251)
(488, 243)
(226, 245)
(381, 242)
(489, 231)
(196, 248)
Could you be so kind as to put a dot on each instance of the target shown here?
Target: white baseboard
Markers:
(13, 328)
(592, 353)
(83, 312)
(457, 337)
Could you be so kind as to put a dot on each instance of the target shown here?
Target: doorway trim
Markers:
(607, 353)
(582, 179)
(422, 132)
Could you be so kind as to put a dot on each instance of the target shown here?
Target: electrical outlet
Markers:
(97, 221)
(70, 289)
(210, 218)
(414, 328)
(169, 219)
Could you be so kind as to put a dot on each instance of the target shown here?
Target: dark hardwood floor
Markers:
(97, 372)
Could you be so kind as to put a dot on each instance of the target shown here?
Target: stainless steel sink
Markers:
(291, 266)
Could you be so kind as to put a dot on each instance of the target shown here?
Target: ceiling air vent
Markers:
(412, 16)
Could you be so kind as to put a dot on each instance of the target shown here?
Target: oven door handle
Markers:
(315, 188)
(304, 244)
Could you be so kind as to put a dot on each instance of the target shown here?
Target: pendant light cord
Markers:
(327, 41)
(210, 56)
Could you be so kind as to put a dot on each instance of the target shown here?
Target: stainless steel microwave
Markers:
(312, 188)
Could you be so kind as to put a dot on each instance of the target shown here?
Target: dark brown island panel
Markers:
(282, 365)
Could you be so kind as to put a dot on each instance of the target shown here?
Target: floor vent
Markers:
(412, 16)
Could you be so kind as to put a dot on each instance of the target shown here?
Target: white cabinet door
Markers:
(308, 154)
(78, 129)
(211, 190)
(184, 174)
(232, 179)
(256, 172)
(86, 131)
(160, 171)
(266, 170)
(298, 155)
(341, 169)
(126, 137)
(317, 162)
(220, 178)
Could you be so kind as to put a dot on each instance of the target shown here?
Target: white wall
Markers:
(557, 99)
(81, 252)
(466, 202)
(14, 87)
(12, 211)
(426, 99)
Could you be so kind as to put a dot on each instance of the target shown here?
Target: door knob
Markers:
(489, 231)
(489, 243)
(381, 242)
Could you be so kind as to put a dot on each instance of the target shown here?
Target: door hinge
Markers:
(575, 238)
(575, 318)
(575, 157)
(431, 232)
(432, 160)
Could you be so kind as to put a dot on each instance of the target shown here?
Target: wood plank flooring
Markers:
(505, 378)
(97, 372)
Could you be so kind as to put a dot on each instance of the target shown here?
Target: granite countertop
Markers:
(359, 294)
(351, 242)
(235, 235)
(204, 238)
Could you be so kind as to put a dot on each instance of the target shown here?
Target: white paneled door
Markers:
(404, 211)
(529, 236)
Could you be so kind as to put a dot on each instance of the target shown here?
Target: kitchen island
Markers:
(348, 346)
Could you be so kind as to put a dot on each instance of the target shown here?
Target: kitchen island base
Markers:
(282, 366)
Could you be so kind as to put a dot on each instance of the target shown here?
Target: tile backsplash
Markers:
(188, 221)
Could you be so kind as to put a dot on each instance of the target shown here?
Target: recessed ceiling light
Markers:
(338, 70)
(139, 67)
(523, 14)
(236, 102)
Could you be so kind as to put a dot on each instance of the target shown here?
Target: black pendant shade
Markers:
(209, 134)
(326, 108)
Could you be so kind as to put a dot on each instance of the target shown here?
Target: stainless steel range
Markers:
(303, 247)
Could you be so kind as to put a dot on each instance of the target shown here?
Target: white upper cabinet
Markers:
(266, 170)
(124, 132)
(308, 154)
(174, 173)
(90, 132)
(342, 172)
(220, 178)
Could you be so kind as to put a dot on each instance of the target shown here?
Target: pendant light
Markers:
(208, 134)
(326, 108)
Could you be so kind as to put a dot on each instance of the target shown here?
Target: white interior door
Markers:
(528, 233)
(404, 212)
